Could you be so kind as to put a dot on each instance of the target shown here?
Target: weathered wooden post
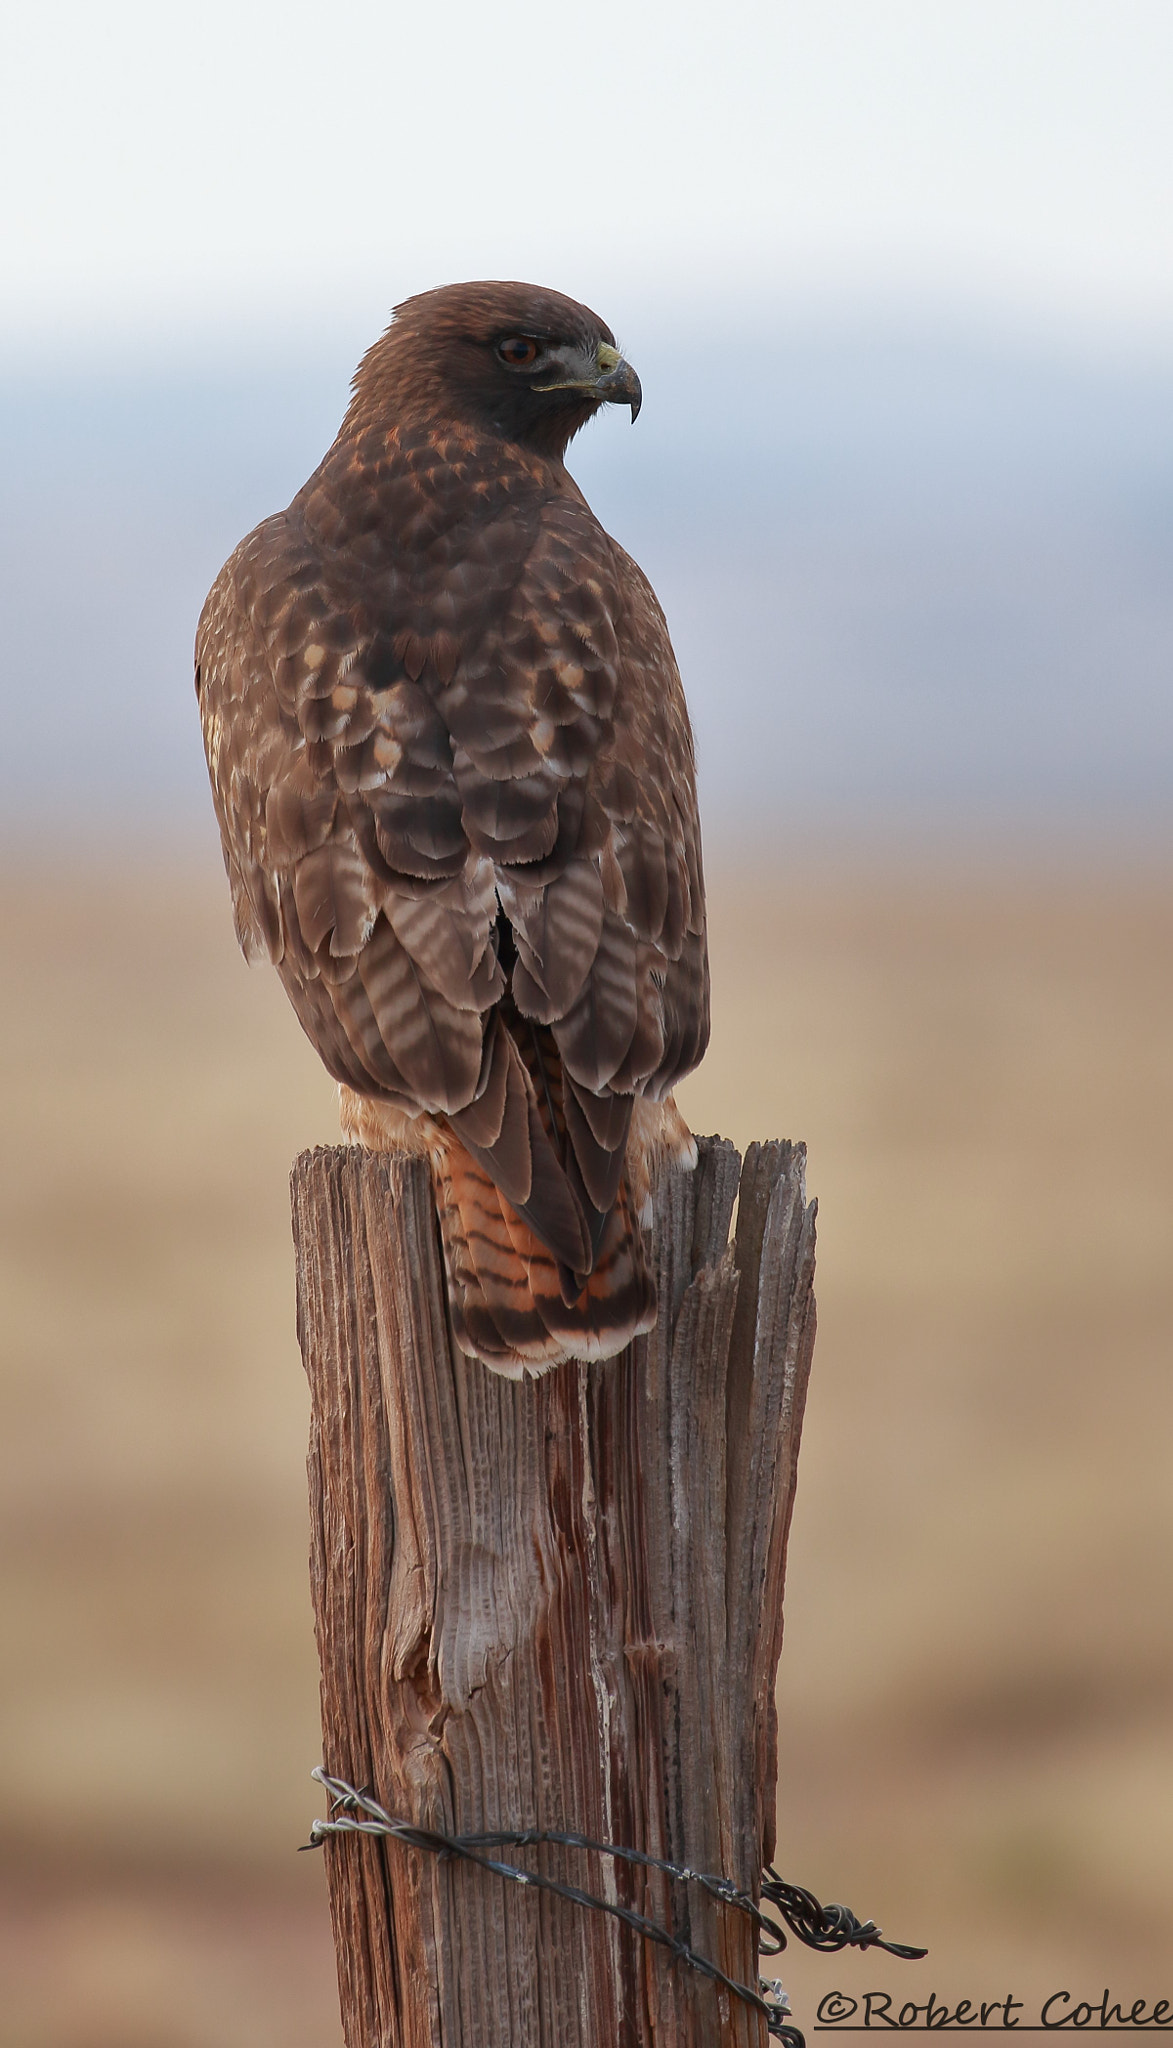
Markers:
(554, 1604)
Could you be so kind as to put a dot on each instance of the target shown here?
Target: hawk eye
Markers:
(518, 350)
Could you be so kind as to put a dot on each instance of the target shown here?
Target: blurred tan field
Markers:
(977, 1688)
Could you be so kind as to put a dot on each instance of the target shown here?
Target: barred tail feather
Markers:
(506, 1289)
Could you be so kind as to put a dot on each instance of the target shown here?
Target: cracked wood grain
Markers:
(552, 1604)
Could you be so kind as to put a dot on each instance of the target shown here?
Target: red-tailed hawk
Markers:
(454, 776)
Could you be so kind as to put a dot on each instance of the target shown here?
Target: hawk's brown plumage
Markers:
(454, 776)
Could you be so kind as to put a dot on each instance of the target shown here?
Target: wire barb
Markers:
(827, 1928)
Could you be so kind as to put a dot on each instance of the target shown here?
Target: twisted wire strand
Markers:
(827, 1928)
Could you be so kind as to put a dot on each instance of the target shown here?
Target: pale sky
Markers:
(172, 170)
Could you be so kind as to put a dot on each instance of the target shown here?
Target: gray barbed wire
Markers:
(827, 1928)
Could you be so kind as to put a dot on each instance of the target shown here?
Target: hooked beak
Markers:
(618, 383)
(605, 376)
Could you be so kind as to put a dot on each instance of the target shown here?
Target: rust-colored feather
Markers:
(505, 1286)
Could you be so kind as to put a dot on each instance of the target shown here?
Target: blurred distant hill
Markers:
(917, 581)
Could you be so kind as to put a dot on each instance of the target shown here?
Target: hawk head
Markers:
(508, 359)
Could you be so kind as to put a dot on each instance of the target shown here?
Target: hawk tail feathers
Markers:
(507, 1291)
(515, 1304)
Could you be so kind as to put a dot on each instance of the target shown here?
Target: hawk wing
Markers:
(455, 786)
